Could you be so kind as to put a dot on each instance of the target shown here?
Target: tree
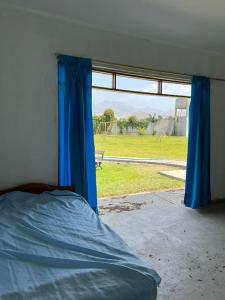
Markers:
(142, 126)
(95, 123)
(154, 118)
(98, 125)
(122, 123)
(132, 122)
(143, 123)
(109, 115)
(149, 118)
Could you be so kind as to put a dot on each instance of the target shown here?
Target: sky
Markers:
(126, 104)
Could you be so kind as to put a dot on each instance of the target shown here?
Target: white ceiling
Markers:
(189, 23)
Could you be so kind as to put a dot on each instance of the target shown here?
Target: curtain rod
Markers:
(95, 61)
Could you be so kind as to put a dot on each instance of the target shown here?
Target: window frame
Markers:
(144, 77)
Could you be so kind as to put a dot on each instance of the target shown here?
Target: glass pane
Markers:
(178, 89)
(102, 79)
(128, 104)
(136, 84)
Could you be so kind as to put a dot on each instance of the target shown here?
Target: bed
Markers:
(53, 246)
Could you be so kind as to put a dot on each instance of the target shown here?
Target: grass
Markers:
(118, 179)
(166, 147)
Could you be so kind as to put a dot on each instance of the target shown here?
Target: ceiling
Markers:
(189, 23)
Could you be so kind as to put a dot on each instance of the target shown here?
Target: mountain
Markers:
(123, 110)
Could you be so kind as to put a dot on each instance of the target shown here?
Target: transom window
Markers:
(113, 81)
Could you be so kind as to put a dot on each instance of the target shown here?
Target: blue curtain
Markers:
(76, 142)
(197, 190)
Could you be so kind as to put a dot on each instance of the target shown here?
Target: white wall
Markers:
(181, 126)
(28, 86)
(218, 139)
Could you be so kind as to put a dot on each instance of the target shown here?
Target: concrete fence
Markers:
(161, 127)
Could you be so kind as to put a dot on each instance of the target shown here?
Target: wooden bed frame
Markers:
(36, 188)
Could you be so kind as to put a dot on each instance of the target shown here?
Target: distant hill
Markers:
(122, 109)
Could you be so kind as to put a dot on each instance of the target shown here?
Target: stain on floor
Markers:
(118, 208)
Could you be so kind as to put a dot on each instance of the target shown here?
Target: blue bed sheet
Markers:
(53, 246)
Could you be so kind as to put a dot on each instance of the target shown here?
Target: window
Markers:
(136, 84)
(100, 79)
(177, 89)
(113, 81)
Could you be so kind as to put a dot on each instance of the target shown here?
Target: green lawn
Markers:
(166, 147)
(119, 179)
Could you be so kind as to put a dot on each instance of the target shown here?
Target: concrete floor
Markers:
(186, 247)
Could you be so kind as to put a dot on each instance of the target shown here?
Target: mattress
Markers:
(54, 246)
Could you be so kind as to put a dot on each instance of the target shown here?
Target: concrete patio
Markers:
(175, 174)
(185, 246)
